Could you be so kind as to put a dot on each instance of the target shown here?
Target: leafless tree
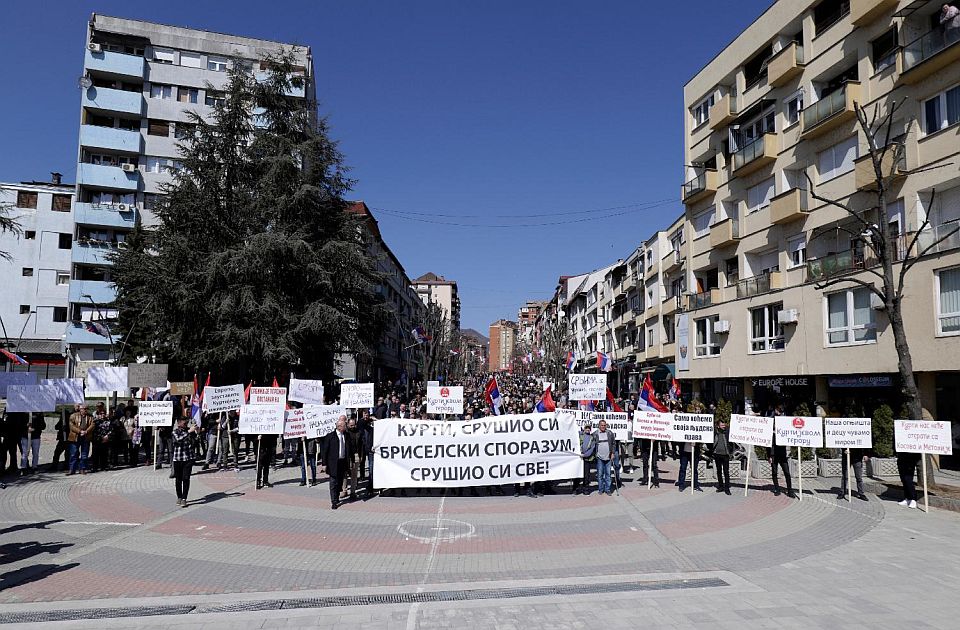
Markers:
(9, 224)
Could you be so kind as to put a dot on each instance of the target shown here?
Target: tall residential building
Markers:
(33, 310)
(438, 290)
(527, 319)
(140, 83)
(774, 110)
(503, 340)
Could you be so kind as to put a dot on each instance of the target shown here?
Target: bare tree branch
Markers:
(856, 281)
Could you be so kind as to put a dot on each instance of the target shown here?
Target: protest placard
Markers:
(294, 424)
(106, 379)
(155, 413)
(653, 425)
(322, 419)
(15, 378)
(147, 375)
(182, 388)
(261, 419)
(579, 416)
(30, 398)
(587, 387)
(268, 396)
(752, 430)
(69, 390)
(356, 395)
(847, 432)
(306, 391)
(445, 400)
(923, 436)
(692, 427)
(81, 368)
(618, 422)
(223, 398)
(804, 432)
(490, 451)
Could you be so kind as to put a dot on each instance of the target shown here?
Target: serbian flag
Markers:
(420, 335)
(674, 390)
(613, 403)
(604, 364)
(492, 394)
(16, 358)
(586, 405)
(546, 404)
(246, 392)
(196, 403)
(648, 398)
(571, 360)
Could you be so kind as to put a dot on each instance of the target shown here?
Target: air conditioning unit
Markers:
(121, 207)
(788, 316)
(94, 47)
(876, 303)
(721, 326)
(129, 168)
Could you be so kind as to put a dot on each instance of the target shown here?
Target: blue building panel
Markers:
(100, 292)
(108, 100)
(104, 216)
(114, 64)
(112, 177)
(110, 138)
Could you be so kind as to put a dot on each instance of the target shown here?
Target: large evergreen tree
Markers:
(255, 266)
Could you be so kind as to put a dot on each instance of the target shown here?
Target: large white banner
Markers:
(753, 430)
(294, 424)
(155, 413)
(587, 387)
(692, 427)
(847, 432)
(923, 436)
(799, 431)
(445, 400)
(307, 392)
(618, 422)
(261, 419)
(356, 395)
(15, 378)
(31, 398)
(268, 396)
(580, 416)
(322, 419)
(105, 379)
(653, 425)
(223, 398)
(490, 451)
(69, 390)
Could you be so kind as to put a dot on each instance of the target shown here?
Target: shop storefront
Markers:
(861, 394)
(769, 391)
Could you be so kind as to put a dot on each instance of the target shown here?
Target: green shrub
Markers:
(722, 411)
(882, 431)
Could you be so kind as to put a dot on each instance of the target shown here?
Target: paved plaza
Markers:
(112, 550)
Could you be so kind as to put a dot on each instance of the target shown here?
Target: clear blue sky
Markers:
(477, 111)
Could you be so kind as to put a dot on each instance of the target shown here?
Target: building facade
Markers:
(141, 82)
(527, 319)
(438, 290)
(35, 302)
(503, 343)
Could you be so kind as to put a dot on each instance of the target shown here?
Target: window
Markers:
(63, 278)
(129, 124)
(649, 259)
(837, 160)
(669, 330)
(163, 55)
(792, 106)
(948, 301)
(651, 336)
(850, 318)
(59, 313)
(828, 13)
(217, 64)
(701, 222)
(27, 272)
(29, 235)
(766, 334)
(733, 271)
(60, 203)
(215, 99)
(26, 199)
(65, 241)
(161, 91)
(150, 201)
(884, 50)
(708, 345)
(190, 60)
(755, 70)
(188, 95)
(24, 309)
(941, 111)
(158, 128)
(701, 111)
(759, 196)
(797, 250)
(183, 130)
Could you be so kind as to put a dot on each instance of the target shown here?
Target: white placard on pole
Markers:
(750, 431)
(31, 398)
(308, 392)
(69, 390)
(847, 432)
(322, 419)
(261, 419)
(445, 400)
(924, 437)
(617, 421)
(356, 395)
(294, 425)
(155, 413)
(222, 398)
(587, 387)
(268, 396)
(106, 379)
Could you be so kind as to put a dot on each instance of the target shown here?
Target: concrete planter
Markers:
(882, 467)
(809, 468)
(761, 469)
(707, 475)
(830, 467)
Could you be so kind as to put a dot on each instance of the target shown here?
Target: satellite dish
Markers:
(84, 83)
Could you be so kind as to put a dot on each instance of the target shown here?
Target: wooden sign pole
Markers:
(926, 500)
(256, 460)
(650, 457)
(155, 432)
(303, 443)
(800, 470)
(693, 467)
(850, 477)
(746, 482)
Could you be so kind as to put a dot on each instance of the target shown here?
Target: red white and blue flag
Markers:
(674, 390)
(571, 360)
(420, 335)
(546, 404)
(492, 394)
(604, 364)
(648, 398)
(196, 403)
(16, 358)
(586, 405)
(612, 402)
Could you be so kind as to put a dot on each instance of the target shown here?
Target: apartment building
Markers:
(503, 344)
(527, 319)
(141, 82)
(33, 310)
(438, 290)
(772, 111)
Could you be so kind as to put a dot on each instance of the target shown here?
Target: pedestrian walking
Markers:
(907, 467)
(184, 442)
(859, 457)
(79, 435)
(336, 456)
(721, 451)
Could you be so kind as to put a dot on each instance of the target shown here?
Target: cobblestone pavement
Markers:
(116, 540)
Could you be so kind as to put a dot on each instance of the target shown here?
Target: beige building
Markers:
(772, 109)
(437, 289)
(503, 344)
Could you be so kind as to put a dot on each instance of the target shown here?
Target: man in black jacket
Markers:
(268, 450)
(777, 456)
(336, 455)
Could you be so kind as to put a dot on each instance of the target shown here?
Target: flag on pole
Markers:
(196, 403)
(492, 394)
(571, 360)
(16, 358)
(420, 335)
(604, 364)
(546, 404)
(586, 405)
(613, 402)
(246, 392)
(648, 398)
(675, 389)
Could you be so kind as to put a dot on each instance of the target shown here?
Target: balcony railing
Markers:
(753, 151)
(759, 284)
(702, 183)
(928, 45)
(939, 239)
(699, 300)
(830, 105)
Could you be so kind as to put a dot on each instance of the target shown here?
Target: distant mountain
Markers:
(470, 332)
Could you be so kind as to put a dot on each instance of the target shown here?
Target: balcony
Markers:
(725, 232)
(831, 111)
(88, 252)
(104, 215)
(106, 101)
(789, 206)
(724, 111)
(706, 299)
(866, 177)
(754, 156)
(109, 138)
(114, 64)
(262, 76)
(939, 239)
(701, 187)
(112, 177)
(785, 65)
(673, 261)
(77, 335)
(100, 292)
(760, 284)
(862, 12)
(930, 54)
(671, 304)
(834, 265)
